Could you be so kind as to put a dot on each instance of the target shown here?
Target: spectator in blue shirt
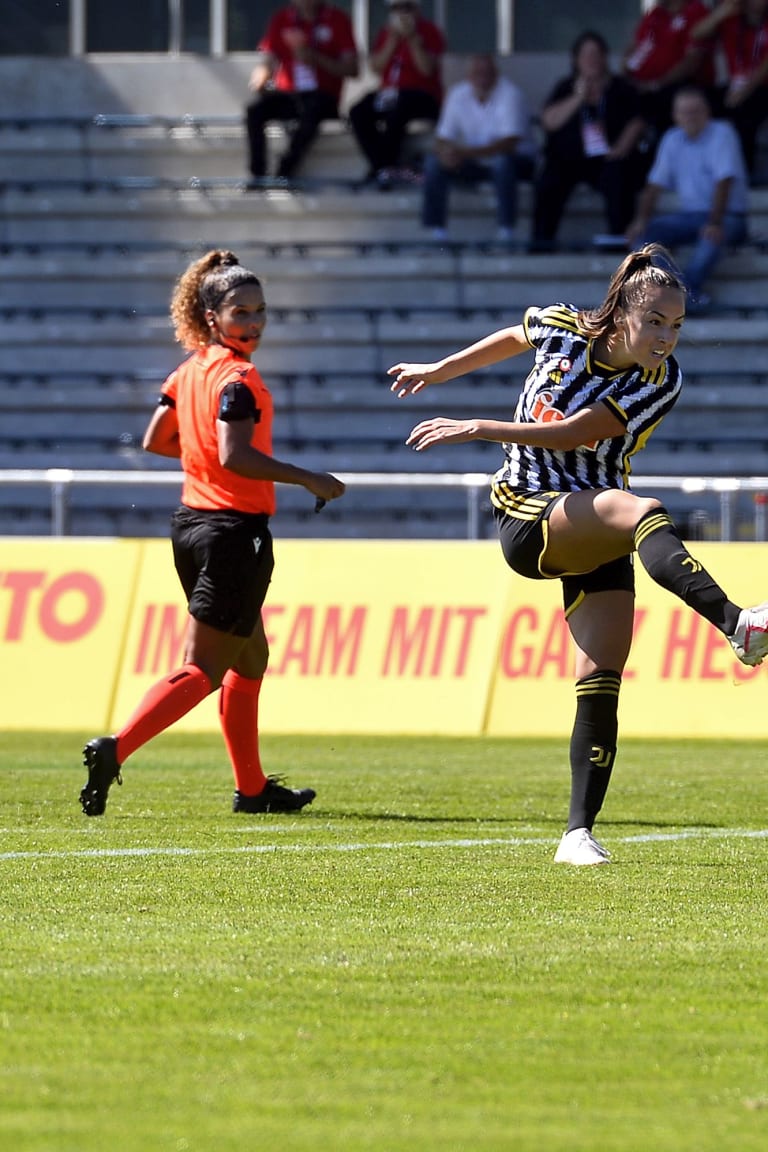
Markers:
(699, 160)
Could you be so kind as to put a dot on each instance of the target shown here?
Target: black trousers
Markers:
(380, 127)
(747, 118)
(617, 180)
(304, 110)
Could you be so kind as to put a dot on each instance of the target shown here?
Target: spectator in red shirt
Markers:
(664, 55)
(740, 28)
(309, 51)
(407, 56)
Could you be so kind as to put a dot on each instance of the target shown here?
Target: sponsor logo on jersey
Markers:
(545, 412)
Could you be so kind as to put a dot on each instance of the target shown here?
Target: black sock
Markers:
(668, 562)
(593, 745)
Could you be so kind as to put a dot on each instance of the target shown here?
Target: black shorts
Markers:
(523, 536)
(521, 518)
(224, 561)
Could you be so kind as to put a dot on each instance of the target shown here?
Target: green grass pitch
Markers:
(399, 967)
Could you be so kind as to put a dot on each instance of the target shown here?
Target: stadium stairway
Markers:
(95, 230)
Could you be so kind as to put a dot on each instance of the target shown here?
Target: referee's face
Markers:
(238, 322)
(650, 329)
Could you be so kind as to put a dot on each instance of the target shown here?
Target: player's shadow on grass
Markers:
(524, 821)
(683, 824)
(413, 818)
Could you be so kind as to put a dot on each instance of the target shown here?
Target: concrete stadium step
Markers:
(427, 279)
(217, 217)
(158, 359)
(229, 216)
(370, 345)
(104, 147)
(294, 260)
(440, 330)
(348, 390)
(337, 409)
(697, 462)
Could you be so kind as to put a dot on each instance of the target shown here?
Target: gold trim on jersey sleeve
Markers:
(560, 316)
(616, 408)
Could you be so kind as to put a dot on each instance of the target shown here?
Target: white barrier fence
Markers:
(61, 481)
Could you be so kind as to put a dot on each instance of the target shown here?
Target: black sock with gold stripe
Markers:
(670, 564)
(593, 745)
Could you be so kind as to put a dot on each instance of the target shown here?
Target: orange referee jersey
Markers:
(196, 388)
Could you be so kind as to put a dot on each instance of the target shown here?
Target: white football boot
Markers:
(750, 640)
(580, 847)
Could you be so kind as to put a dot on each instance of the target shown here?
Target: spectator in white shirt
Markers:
(483, 122)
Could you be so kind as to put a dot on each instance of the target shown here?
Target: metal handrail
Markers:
(62, 480)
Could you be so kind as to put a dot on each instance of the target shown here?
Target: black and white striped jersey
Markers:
(564, 379)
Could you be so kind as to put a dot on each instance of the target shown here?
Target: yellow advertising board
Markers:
(410, 637)
(64, 605)
(682, 678)
(364, 636)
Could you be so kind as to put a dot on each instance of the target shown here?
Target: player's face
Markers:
(238, 322)
(648, 331)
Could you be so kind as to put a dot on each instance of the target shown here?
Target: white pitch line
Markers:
(382, 846)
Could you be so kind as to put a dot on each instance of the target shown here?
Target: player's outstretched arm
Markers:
(584, 427)
(498, 346)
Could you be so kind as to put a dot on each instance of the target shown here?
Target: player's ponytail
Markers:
(201, 288)
(651, 264)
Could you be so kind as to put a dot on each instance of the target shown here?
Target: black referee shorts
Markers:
(224, 561)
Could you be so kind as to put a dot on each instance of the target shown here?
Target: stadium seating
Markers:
(98, 217)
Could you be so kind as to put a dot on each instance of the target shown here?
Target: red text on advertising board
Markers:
(696, 650)
(306, 641)
(432, 642)
(536, 644)
(316, 641)
(65, 609)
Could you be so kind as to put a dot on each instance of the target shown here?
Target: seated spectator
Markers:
(483, 123)
(592, 128)
(310, 49)
(407, 56)
(700, 160)
(664, 55)
(740, 28)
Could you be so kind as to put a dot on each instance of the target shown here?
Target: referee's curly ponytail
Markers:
(202, 287)
(651, 264)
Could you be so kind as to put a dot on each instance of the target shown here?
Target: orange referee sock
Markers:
(165, 703)
(239, 716)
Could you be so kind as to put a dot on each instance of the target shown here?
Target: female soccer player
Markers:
(602, 380)
(215, 413)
